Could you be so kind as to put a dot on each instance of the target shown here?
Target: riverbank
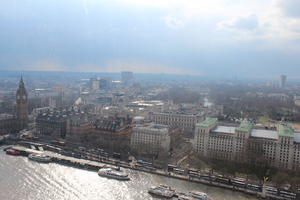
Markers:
(94, 163)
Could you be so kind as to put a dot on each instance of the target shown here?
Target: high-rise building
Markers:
(22, 104)
(282, 81)
(126, 77)
(95, 84)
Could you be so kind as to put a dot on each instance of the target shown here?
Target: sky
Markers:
(217, 38)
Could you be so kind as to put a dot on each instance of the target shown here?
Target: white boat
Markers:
(39, 157)
(162, 191)
(182, 196)
(193, 196)
(111, 173)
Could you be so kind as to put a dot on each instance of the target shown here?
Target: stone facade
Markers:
(112, 133)
(150, 138)
(10, 123)
(185, 121)
(56, 124)
(279, 148)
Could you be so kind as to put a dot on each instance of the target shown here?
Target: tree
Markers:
(280, 178)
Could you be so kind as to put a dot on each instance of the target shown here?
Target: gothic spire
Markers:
(21, 82)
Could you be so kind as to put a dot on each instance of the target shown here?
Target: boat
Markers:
(13, 152)
(111, 173)
(39, 157)
(162, 191)
(7, 147)
(193, 196)
(182, 196)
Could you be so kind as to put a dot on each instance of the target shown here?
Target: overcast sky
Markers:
(243, 38)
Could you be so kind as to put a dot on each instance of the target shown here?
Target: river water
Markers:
(22, 179)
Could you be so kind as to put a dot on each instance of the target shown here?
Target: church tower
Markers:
(22, 105)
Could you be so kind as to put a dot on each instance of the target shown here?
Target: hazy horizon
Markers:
(219, 38)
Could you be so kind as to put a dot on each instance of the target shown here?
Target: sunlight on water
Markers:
(23, 179)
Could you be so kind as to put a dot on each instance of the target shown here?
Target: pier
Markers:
(66, 160)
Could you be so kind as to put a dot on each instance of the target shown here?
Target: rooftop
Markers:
(297, 137)
(265, 134)
(224, 129)
(245, 126)
(177, 112)
(208, 122)
(153, 127)
(4, 116)
(285, 130)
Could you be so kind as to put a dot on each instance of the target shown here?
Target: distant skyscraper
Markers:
(126, 76)
(105, 83)
(282, 81)
(94, 83)
(22, 104)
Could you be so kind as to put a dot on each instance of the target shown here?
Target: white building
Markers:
(278, 148)
(185, 121)
(150, 138)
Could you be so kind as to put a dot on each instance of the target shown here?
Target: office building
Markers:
(279, 148)
(151, 139)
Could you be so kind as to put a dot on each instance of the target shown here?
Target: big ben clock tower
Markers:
(22, 105)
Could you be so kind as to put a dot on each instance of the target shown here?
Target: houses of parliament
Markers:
(13, 123)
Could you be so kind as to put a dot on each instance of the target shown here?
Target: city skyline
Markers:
(218, 38)
(139, 99)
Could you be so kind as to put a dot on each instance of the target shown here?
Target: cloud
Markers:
(173, 22)
(140, 66)
(43, 65)
(216, 36)
(248, 23)
(290, 8)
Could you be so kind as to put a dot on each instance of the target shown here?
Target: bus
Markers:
(238, 182)
(222, 179)
(271, 190)
(171, 167)
(178, 171)
(194, 174)
(254, 187)
(142, 162)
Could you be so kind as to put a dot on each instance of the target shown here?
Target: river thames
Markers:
(22, 179)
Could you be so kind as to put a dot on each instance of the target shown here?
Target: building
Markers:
(151, 139)
(279, 148)
(297, 102)
(283, 81)
(10, 123)
(105, 83)
(56, 124)
(126, 77)
(186, 121)
(22, 105)
(94, 84)
(110, 133)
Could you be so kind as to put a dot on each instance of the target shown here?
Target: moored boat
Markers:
(162, 191)
(13, 152)
(39, 157)
(111, 173)
(193, 196)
